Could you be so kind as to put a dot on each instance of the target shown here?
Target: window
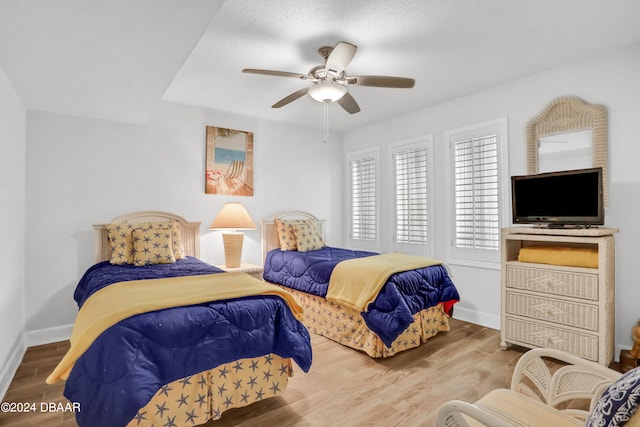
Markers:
(364, 215)
(411, 168)
(476, 192)
(478, 200)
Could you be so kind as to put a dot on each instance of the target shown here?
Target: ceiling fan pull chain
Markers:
(326, 121)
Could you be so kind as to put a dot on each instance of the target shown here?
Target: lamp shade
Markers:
(233, 216)
(327, 92)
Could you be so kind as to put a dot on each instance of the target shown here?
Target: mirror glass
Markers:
(565, 151)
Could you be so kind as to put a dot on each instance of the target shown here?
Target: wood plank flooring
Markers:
(344, 387)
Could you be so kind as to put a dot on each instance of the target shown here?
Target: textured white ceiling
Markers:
(108, 59)
(117, 59)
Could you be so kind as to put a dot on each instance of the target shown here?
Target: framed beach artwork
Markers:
(229, 162)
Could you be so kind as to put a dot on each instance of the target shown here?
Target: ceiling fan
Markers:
(330, 80)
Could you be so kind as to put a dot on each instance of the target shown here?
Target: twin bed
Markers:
(163, 338)
(197, 342)
(411, 306)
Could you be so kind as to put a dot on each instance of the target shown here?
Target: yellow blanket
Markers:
(121, 300)
(357, 282)
(560, 255)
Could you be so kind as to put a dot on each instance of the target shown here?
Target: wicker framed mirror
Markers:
(572, 120)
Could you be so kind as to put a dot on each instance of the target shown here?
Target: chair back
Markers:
(235, 169)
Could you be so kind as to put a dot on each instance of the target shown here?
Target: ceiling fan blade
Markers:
(340, 57)
(275, 73)
(382, 81)
(349, 103)
(290, 98)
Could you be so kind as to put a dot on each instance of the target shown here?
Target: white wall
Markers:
(612, 80)
(12, 217)
(82, 171)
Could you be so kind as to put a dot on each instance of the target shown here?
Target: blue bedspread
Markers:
(104, 274)
(403, 295)
(130, 361)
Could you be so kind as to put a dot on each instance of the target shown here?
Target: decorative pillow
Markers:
(286, 236)
(308, 237)
(152, 245)
(176, 236)
(121, 243)
(618, 403)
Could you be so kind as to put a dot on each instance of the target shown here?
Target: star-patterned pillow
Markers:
(286, 236)
(176, 236)
(121, 243)
(308, 237)
(152, 245)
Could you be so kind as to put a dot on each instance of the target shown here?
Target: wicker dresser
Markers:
(566, 308)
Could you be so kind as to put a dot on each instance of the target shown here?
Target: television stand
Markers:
(557, 305)
(565, 231)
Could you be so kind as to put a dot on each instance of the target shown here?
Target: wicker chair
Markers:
(543, 393)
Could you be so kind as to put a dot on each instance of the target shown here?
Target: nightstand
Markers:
(251, 269)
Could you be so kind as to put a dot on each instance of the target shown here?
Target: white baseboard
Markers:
(493, 322)
(477, 317)
(10, 366)
(25, 340)
(49, 335)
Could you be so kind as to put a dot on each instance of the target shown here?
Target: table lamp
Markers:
(232, 217)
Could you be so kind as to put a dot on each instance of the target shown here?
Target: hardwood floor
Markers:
(343, 387)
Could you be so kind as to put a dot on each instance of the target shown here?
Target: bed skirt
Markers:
(205, 396)
(346, 326)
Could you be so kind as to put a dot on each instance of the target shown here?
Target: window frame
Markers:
(423, 142)
(474, 257)
(364, 244)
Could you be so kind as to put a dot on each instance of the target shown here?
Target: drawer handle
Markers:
(547, 338)
(548, 310)
(556, 341)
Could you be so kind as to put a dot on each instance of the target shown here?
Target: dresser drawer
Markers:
(527, 332)
(567, 313)
(570, 284)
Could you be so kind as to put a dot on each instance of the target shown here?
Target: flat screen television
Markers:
(557, 199)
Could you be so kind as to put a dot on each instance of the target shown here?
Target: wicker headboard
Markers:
(270, 236)
(190, 232)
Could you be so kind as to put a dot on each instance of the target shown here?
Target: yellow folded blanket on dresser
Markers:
(560, 255)
(122, 300)
(356, 283)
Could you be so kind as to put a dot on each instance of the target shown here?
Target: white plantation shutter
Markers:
(363, 198)
(479, 202)
(477, 223)
(411, 188)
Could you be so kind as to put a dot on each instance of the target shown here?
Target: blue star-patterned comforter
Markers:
(403, 295)
(133, 359)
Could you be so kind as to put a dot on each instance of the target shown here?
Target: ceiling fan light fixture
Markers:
(327, 92)
(329, 81)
